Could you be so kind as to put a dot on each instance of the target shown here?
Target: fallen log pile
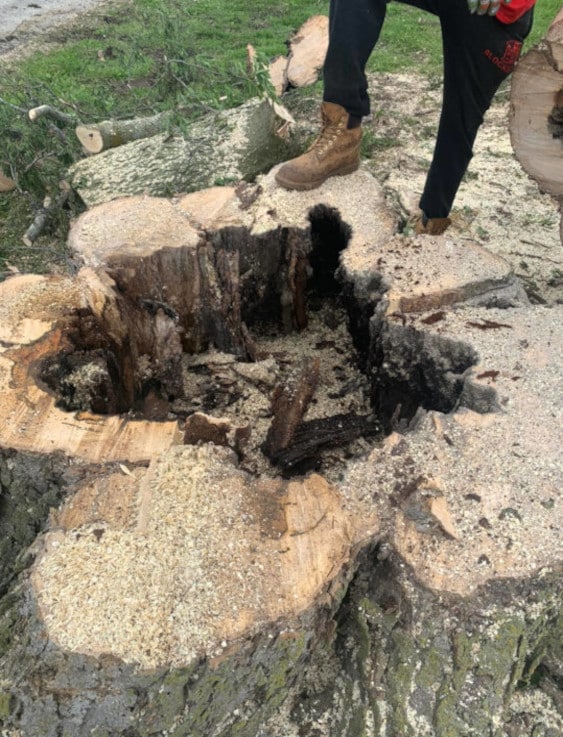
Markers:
(221, 147)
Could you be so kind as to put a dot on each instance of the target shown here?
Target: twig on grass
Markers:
(37, 112)
(42, 216)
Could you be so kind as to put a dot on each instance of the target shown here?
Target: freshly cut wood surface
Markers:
(536, 125)
(98, 137)
(307, 51)
(554, 41)
(199, 553)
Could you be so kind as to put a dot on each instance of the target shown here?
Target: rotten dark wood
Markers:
(289, 404)
(98, 137)
(298, 272)
(311, 437)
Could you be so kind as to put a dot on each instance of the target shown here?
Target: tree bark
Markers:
(306, 53)
(223, 147)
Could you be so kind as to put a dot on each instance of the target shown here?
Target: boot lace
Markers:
(328, 135)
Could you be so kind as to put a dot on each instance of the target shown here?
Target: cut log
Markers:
(98, 137)
(307, 51)
(536, 86)
(111, 133)
(223, 147)
(554, 41)
(536, 125)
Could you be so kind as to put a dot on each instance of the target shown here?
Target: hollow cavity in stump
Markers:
(255, 342)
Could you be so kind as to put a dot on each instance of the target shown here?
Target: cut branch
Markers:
(6, 184)
(38, 112)
(112, 133)
(42, 216)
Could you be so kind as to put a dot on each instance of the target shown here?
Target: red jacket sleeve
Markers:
(514, 10)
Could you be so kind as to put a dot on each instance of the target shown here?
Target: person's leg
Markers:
(354, 27)
(479, 53)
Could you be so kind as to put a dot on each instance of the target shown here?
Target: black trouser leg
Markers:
(479, 53)
(354, 28)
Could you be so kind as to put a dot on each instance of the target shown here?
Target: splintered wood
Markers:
(289, 404)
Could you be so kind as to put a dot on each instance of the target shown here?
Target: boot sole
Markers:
(304, 186)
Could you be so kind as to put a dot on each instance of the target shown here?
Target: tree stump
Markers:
(152, 587)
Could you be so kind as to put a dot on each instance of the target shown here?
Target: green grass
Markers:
(159, 54)
(166, 49)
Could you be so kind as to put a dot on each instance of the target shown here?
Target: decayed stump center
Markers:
(243, 338)
(254, 340)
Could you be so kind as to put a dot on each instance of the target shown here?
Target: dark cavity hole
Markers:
(261, 343)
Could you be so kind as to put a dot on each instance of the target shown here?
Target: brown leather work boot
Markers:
(335, 152)
(432, 226)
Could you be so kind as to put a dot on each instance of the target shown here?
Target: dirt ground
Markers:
(22, 22)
